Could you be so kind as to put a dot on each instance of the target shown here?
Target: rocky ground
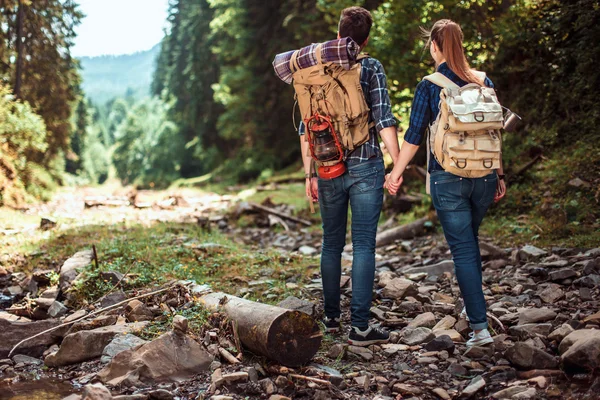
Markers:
(157, 343)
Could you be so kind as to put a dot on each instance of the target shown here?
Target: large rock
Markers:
(426, 320)
(445, 323)
(435, 269)
(526, 356)
(171, 357)
(510, 392)
(474, 386)
(527, 331)
(443, 342)
(531, 253)
(87, 345)
(583, 355)
(137, 311)
(562, 274)
(96, 391)
(551, 293)
(533, 315)
(69, 270)
(294, 303)
(576, 336)
(12, 332)
(399, 288)
(120, 343)
(416, 336)
(560, 333)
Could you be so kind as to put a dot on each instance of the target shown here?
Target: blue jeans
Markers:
(461, 204)
(361, 186)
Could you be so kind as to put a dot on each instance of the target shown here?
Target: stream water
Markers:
(43, 389)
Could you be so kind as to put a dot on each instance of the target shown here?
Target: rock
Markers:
(336, 351)
(440, 343)
(87, 345)
(136, 311)
(294, 303)
(562, 274)
(400, 288)
(441, 393)
(454, 335)
(595, 318)
(390, 349)
(12, 332)
(528, 394)
(47, 224)
(308, 251)
(111, 277)
(526, 356)
(180, 324)
(432, 270)
(539, 381)
(160, 394)
(578, 183)
(170, 357)
(235, 377)
(526, 331)
(408, 390)
(457, 370)
(583, 355)
(362, 352)
(279, 397)
(589, 281)
(551, 293)
(426, 320)
(98, 322)
(69, 270)
(50, 293)
(479, 352)
(509, 392)
(536, 315)
(560, 333)
(416, 336)
(474, 386)
(113, 298)
(385, 277)
(445, 323)
(531, 253)
(26, 360)
(57, 310)
(576, 336)
(118, 344)
(268, 386)
(96, 391)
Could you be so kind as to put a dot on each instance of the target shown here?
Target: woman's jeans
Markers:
(361, 186)
(461, 204)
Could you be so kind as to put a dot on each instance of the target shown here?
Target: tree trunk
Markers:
(291, 338)
(405, 232)
(20, 49)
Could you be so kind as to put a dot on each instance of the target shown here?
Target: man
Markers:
(361, 186)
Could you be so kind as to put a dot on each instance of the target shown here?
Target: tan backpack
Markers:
(465, 136)
(334, 92)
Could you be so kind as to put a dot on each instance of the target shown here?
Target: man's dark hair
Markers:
(356, 23)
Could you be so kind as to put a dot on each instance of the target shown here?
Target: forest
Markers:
(216, 103)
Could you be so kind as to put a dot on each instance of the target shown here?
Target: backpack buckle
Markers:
(489, 163)
(479, 118)
(460, 163)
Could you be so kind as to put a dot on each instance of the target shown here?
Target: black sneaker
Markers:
(371, 335)
(332, 325)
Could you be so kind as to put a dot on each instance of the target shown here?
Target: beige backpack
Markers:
(465, 136)
(334, 92)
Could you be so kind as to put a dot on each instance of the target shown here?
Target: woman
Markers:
(461, 203)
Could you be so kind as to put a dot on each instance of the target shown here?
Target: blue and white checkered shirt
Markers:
(426, 107)
(374, 86)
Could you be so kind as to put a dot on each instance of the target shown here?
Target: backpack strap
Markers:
(480, 75)
(318, 53)
(294, 66)
(441, 80)
(362, 56)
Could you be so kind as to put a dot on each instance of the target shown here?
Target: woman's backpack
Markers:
(465, 137)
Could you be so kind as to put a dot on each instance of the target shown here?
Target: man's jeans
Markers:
(461, 204)
(362, 187)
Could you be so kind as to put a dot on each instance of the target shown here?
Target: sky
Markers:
(119, 26)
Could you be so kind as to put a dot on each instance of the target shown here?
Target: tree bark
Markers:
(291, 338)
(20, 50)
(405, 232)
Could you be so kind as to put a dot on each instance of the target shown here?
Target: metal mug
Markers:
(510, 121)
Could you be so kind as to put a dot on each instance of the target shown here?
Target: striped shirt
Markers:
(374, 86)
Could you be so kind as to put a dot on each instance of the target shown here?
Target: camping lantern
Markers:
(325, 147)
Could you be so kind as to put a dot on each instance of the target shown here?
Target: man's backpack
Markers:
(465, 137)
(330, 90)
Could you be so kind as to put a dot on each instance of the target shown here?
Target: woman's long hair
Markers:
(448, 37)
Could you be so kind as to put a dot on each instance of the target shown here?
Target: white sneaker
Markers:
(481, 338)
(463, 314)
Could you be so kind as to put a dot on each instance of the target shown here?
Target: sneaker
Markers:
(332, 325)
(480, 339)
(463, 314)
(369, 336)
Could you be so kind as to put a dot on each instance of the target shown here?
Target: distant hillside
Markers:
(106, 77)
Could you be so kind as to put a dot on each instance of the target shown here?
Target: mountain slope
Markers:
(106, 77)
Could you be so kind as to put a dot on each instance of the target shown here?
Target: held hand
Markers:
(312, 189)
(500, 190)
(393, 182)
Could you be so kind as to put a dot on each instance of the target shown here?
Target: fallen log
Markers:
(403, 232)
(291, 338)
(280, 214)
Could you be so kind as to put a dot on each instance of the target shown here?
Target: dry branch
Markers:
(280, 214)
(404, 232)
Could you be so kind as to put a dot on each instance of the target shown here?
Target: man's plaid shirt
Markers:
(374, 86)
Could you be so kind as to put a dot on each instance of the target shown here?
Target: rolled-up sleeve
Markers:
(381, 106)
(420, 115)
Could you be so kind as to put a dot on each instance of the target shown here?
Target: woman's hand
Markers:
(312, 189)
(393, 181)
(500, 190)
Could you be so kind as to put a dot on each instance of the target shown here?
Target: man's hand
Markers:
(500, 190)
(393, 181)
(312, 189)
